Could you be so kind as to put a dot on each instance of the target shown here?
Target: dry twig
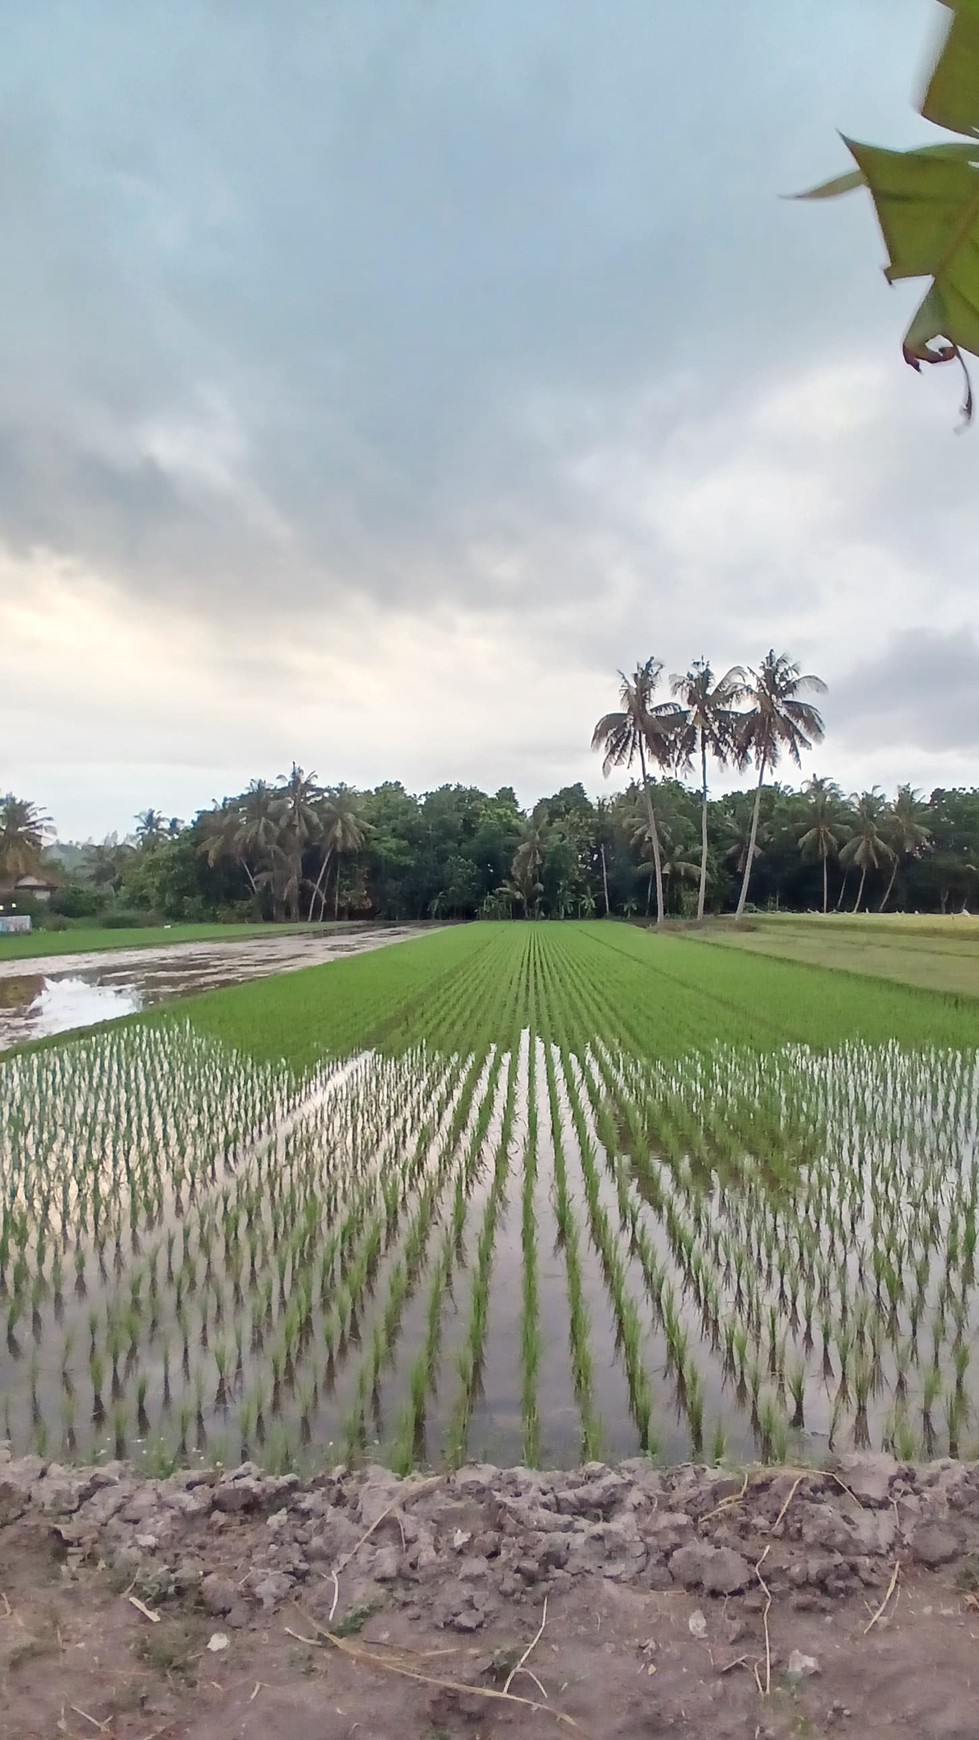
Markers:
(101, 1726)
(521, 1666)
(141, 1607)
(765, 1689)
(396, 1503)
(726, 1503)
(391, 1667)
(797, 1482)
(892, 1585)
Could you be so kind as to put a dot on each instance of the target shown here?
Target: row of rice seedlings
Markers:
(472, 1354)
(431, 1184)
(530, 1345)
(885, 1288)
(772, 1344)
(629, 1327)
(411, 1441)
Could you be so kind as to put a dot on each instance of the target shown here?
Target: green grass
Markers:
(90, 941)
(928, 952)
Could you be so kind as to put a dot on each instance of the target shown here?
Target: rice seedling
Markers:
(779, 1211)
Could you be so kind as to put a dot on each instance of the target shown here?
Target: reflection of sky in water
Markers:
(65, 1003)
(50, 997)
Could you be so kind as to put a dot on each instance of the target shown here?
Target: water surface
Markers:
(57, 993)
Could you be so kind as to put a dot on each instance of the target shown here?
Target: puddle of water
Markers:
(65, 1003)
(55, 994)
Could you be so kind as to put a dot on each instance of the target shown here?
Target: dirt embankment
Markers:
(611, 1602)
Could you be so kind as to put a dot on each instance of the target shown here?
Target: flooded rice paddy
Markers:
(54, 994)
(530, 1251)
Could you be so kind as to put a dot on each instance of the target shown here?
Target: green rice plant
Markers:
(796, 1378)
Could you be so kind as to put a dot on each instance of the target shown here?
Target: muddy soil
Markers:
(620, 1602)
(52, 994)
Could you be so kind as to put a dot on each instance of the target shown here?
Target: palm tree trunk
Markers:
(604, 877)
(319, 886)
(839, 898)
(336, 892)
(253, 885)
(653, 835)
(702, 893)
(890, 885)
(825, 883)
(742, 897)
(863, 878)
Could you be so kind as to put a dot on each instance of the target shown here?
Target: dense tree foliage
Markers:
(301, 850)
(458, 852)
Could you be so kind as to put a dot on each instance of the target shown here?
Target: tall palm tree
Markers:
(905, 831)
(603, 815)
(776, 721)
(867, 849)
(742, 837)
(23, 831)
(151, 828)
(824, 830)
(644, 729)
(528, 861)
(671, 827)
(105, 863)
(707, 732)
(342, 830)
(296, 808)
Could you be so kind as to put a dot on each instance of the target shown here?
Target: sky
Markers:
(378, 377)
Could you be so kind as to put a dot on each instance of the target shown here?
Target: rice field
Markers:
(931, 952)
(538, 1192)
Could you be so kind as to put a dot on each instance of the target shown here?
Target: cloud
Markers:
(426, 363)
(920, 690)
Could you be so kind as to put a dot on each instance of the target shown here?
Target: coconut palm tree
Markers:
(671, 828)
(342, 830)
(151, 829)
(905, 831)
(105, 863)
(707, 732)
(867, 849)
(528, 860)
(603, 818)
(824, 830)
(296, 810)
(643, 730)
(23, 831)
(776, 722)
(741, 836)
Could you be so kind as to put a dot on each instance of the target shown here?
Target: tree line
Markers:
(301, 850)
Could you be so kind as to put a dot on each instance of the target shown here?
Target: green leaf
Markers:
(831, 189)
(927, 207)
(927, 202)
(952, 96)
(957, 151)
(928, 210)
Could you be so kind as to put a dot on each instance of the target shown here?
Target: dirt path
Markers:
(51, 994)
(682, 1603)
(248, 957)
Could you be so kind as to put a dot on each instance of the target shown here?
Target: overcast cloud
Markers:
(377, 377)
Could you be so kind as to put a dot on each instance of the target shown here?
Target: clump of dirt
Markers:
(628, 1601)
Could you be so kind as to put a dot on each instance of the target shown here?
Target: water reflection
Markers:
(62, 1004)
(47, 996)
